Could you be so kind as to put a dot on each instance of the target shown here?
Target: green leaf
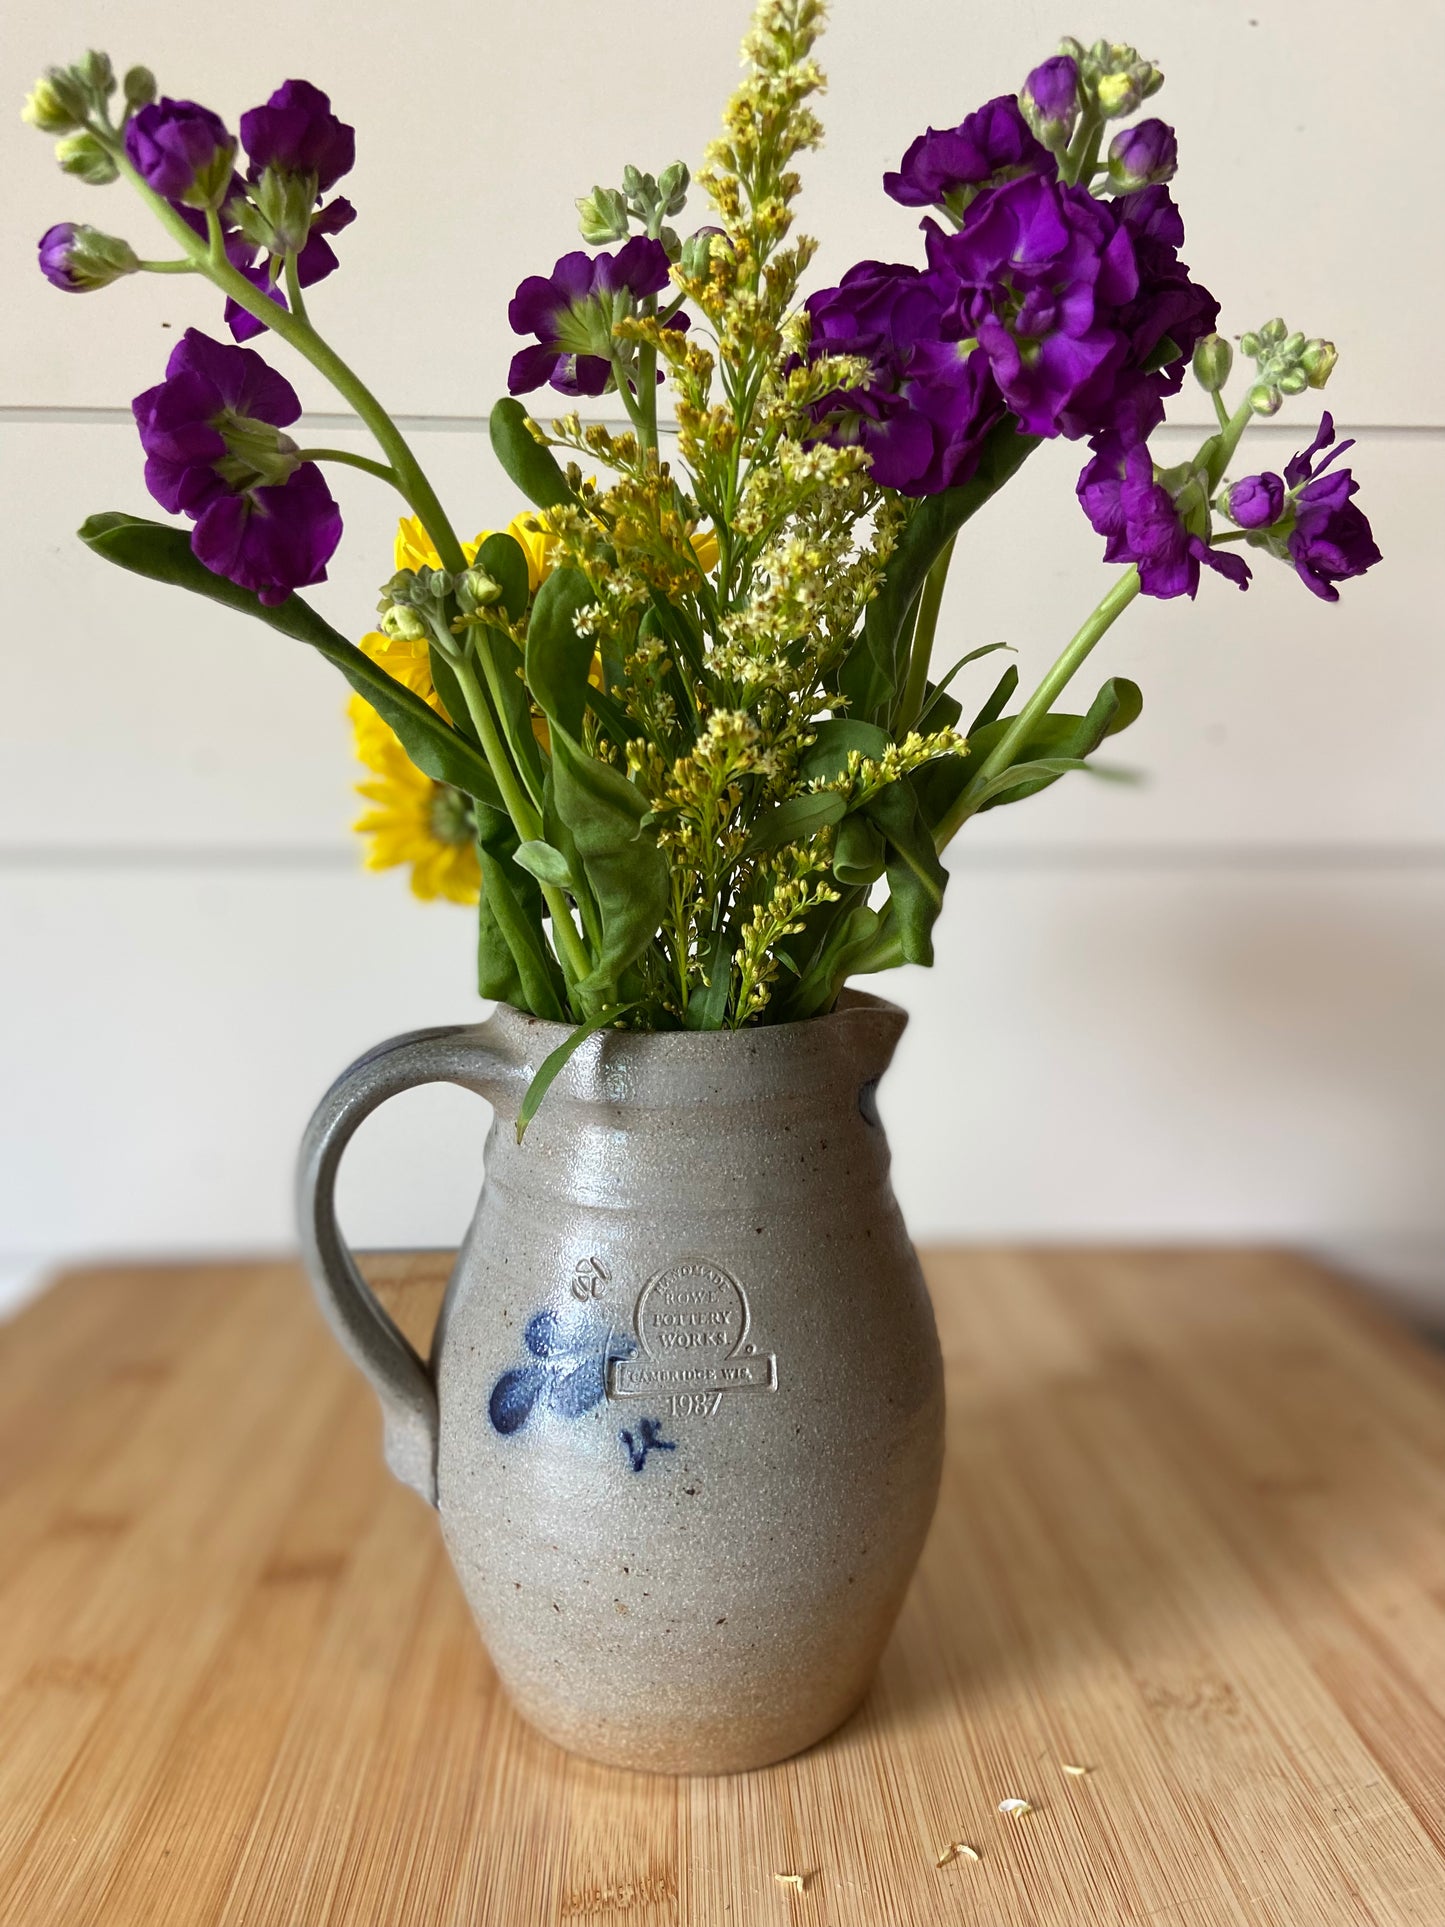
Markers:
(164, 554)
(868, 674)
(942, 711)
(916, 878)
(543, 862)
(859, 855)
(532, 467)
(939, 711)
(827, 758)
(1118, 704)
(707, 1008)
(1066, 738)
(624, 868)
(984, 649)
(558, 659)
(497, 973)
(516, 908)
(556, 1061)
(797, 819)
(848, 939)
(1007, 683)
(939, 784)
(505, 561)
(679, 629)
(1026, 778)
(935, 521)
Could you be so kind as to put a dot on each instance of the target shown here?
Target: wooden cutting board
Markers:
(1191, 1539)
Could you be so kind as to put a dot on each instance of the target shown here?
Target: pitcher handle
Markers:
(399, 1376)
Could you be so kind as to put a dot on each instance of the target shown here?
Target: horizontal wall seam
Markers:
(66, 859)
(44, 414)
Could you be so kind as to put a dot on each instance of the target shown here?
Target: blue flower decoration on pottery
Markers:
(569, 1376)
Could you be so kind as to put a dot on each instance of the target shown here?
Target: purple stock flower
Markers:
(929, 403)
(1257, 501)
(1146, 155)
(1331, 539)
(297, 133)
(1168, 315)
(1039, 272)
(1140, 522)
(214, 452)
(1303, 467)
(298, 149)
(571, 312)
(948, 167)
(182, 151)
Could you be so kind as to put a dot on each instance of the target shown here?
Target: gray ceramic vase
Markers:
(683, 1416)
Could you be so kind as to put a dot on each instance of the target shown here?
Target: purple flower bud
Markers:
(214, 452)
(1050, 100)
(79, 259)
(1146, 155)
(1257, 501)
(182, 151)
(297, 133)
(55, 246)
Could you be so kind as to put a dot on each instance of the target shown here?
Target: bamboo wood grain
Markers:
(1191, 1538)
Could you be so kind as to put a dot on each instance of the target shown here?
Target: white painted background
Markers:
(1207, 1008)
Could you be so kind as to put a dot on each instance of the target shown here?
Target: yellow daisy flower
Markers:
(414, 548)
(414, 820)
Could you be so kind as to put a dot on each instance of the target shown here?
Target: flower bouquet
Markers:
(679, 728)
(679, 734)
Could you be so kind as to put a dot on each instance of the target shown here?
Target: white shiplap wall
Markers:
(1210, 1007)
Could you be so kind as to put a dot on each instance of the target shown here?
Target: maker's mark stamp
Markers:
(692, 1336)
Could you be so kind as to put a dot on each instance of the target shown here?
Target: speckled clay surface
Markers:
(684, 1418)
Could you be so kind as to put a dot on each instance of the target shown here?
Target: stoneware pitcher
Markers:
(683, 1416)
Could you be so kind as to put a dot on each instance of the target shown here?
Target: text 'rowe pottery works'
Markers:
(692, 1324)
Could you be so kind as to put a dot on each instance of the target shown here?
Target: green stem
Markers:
(1086, 135)
(572, 954)
(929, 603)
(634, 414)
(1005, 751)
(1231, 429)
(485, 652)
(298, 334)
(293, 290)
(526, 820)
(169, 267)
(647, 383)
(1090, 165)
(364, 462)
